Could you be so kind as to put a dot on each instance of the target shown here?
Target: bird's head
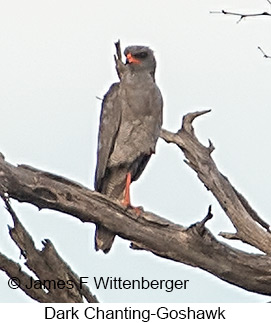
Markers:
(140, 58)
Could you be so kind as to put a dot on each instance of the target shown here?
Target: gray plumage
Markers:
(130, 124)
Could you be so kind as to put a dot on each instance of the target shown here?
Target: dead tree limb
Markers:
(57, 283)
(264, 54)
(242, 15)
(241, 214)
(120, 66)
(194, 246)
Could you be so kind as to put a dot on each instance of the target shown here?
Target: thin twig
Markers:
(242, 15)
(118, 50)
(264, 54)
(120, 67)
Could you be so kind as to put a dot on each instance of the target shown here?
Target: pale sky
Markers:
(57, 56)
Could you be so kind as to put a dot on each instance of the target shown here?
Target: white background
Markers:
(57, 56)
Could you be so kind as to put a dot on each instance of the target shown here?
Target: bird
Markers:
(130, 124)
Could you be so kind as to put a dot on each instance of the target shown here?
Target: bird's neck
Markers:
(131, 76)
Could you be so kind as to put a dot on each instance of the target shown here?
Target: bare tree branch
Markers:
(120, 66)
(57, 282)
(264, 54)
(194, 246)
(201, 225)
(242, 15)
(236, 207)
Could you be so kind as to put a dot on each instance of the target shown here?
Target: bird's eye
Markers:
(141, 55)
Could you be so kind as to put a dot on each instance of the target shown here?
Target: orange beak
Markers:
(132, 59)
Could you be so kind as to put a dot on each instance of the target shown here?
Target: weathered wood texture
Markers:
(241, 214)
(56, 282)
(194, 246)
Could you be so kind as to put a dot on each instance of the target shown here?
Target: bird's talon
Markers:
(138, 210)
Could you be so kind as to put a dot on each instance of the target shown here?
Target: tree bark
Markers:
(194, 246)
(56, 282)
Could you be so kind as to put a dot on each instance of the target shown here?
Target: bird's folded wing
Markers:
(109, 127)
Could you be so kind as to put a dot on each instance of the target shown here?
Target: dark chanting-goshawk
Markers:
(130, 124)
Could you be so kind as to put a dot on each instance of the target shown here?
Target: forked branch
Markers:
(56, 283)
(241, 15)
(236, 207)
(194, 246)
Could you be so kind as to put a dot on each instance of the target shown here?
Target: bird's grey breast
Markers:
(141, 118)
(141, 95)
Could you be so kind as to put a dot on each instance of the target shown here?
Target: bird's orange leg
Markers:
(126, 201)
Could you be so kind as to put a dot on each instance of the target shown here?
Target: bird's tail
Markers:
(104, 239)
